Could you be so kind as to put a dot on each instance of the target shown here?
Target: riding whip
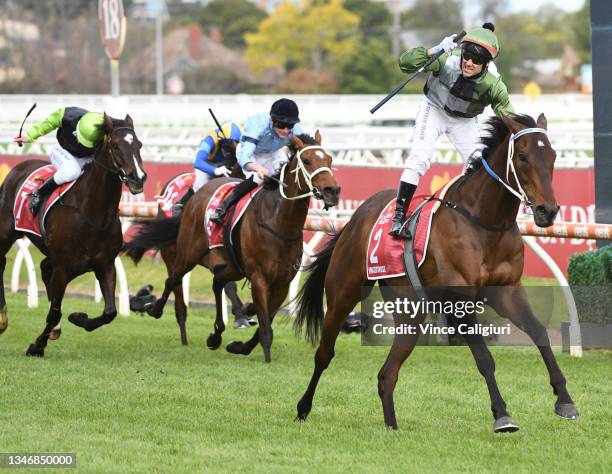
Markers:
(395, 91)
(22, 123)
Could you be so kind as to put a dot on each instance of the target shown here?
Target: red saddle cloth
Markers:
(215, 231)
(24, 220)
(385, 257)
(174, 191)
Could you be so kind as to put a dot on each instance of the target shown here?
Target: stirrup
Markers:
(35, 202)
(218, 215)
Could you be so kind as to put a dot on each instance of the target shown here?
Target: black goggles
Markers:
(475, 58)
(282, 125)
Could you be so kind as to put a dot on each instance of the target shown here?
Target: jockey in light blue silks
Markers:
(261, 150)
(215, 157)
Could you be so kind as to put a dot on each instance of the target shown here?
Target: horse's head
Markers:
(124, 150)
(533, 160)
(312, 166)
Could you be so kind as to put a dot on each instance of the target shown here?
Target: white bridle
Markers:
(300, 168)
(520, 193)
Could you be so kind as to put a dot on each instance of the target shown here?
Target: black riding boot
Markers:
(180, 204)
(37, 196)
(239, 191)
(404, 196)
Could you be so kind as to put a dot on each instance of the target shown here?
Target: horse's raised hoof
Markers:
(303, 409)
(236, 347)
(55, 334)
(505, 424)
(214, 341)
(3, 320)
(81, 320)
(35, 351)
(155, 310)
(567, 411)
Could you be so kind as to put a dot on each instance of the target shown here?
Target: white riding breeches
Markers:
(430, 123)
(272, 161)
(201, 178)
(69, 167)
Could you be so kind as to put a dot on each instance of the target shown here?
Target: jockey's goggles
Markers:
(282, 125)
(475, 58)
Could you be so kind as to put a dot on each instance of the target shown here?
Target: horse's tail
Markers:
(310, 298)
(152, 233)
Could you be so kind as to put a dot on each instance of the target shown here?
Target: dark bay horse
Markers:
(462, 253)
(83, 232)
(168, 254)
(270, 240)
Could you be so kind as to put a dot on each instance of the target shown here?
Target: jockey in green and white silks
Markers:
(459, 86)
(78, 134)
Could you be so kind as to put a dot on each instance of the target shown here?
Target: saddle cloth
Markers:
(215, 231)
(385, 253)
(24, 220)
(174, 191)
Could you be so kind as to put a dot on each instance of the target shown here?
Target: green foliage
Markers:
(216, 80)
(580, 27)
(318, 36)
(375, 18)
(234, 18)
(442, 16)
(370, 70)
(590, 276)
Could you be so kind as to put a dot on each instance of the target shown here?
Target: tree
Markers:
(442, 16)
(234, 18)
(580, 27)
(319, 37)
(375, 18)
(370, 70)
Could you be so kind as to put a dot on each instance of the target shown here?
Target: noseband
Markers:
(301, 169)
(520, 193)
(118, 170)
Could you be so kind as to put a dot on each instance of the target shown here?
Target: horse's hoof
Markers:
(3, 320)
(567, 411)
(303, 409)
(55, 334)
(241, 323)
(35, 351)
(235, 347)
(80, 319)
(154, 311)
(214, 341)
(505, 424)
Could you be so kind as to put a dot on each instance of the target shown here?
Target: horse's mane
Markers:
(495, 134)
(308, 140)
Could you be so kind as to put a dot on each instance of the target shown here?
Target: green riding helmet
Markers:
(89, 129)
(482, 41)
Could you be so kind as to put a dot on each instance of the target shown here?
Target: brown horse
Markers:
(482, 248)
(83, 231)
(268, 240)
(168, 254)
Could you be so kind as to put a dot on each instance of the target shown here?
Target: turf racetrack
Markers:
(129, 398)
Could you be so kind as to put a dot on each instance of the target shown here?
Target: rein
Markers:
(520, 193)
(118, 170)
(300, 168)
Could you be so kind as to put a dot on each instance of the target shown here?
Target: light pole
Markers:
(158, 9)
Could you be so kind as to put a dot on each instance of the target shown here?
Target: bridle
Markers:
(118, 170)
(300, 169)
(520, 192)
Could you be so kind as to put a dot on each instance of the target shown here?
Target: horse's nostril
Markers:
(331, 190)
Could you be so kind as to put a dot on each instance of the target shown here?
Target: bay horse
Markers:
(482, 248)
(82, 231)
(268, 240)
(168, 254)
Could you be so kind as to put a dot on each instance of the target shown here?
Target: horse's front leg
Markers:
(214, 339)
(107, 277)
(511, 302)
(56, 289)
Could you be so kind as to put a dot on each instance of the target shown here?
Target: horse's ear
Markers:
(108, 123)
(129, 121)
(542, 122)
(317, 137)
(513, 126)
(299, 144)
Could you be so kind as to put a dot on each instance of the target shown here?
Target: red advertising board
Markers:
(574, 189)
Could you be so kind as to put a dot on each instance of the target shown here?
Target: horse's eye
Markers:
(306, 161)
(522, 157)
